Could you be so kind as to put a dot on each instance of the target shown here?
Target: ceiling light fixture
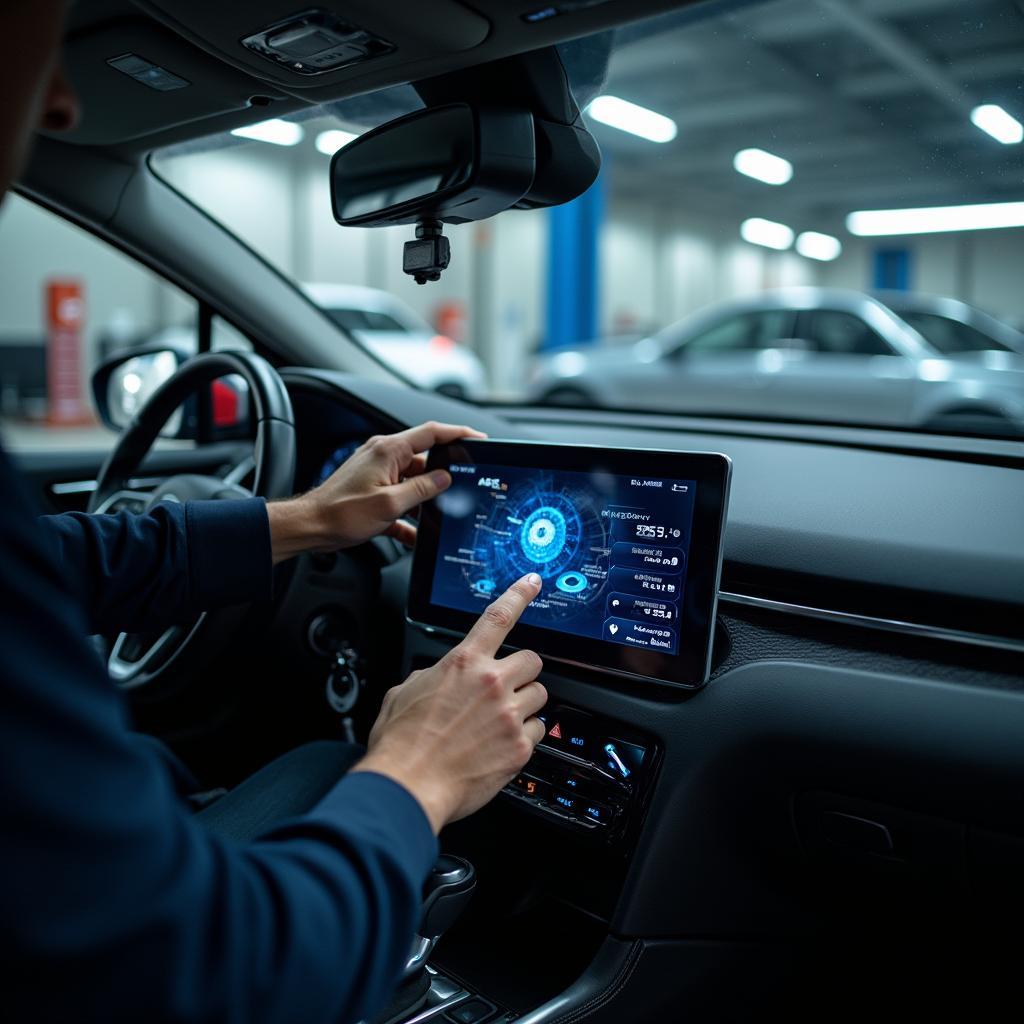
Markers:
(991, 118)
(769, 233)
(764, 166)
(930, 219)
(275, 131)
(629, 117)
(817, 246)
(330, 141)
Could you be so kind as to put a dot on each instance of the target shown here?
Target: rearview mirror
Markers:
(449, 164)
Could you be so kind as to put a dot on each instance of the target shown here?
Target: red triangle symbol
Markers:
(555, 732)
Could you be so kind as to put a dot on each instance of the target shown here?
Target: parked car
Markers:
(813, 354)
(953, 327)
(402, 338)
(376, 319)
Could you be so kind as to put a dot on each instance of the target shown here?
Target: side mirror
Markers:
(449, 164)
(122, 385)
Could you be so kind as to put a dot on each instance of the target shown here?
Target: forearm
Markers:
(296, 526)
(145, 572)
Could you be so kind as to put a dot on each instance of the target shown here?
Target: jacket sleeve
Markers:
(115, 905)
(145, 572)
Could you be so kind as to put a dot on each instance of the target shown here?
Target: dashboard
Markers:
(853, 765)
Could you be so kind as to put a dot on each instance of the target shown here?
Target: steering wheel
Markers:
(155, 662)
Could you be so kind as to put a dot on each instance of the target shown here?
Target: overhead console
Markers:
(319, 44)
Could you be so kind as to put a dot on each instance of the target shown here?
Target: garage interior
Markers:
(869, 101)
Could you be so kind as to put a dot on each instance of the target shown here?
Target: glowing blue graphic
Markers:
(542, 536)
(571, 582)
(484, 586)
(542, 526)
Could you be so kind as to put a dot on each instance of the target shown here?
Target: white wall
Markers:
(120, 296)
(984, 268)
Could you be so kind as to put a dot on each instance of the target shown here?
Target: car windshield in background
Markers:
(808, 210)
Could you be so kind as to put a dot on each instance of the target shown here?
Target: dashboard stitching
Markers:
(607, 994)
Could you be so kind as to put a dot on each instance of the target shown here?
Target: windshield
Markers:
(769, 170)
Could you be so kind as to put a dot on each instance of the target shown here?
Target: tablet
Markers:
(627, 542)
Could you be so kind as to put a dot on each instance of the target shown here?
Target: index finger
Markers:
(491, 629)
(426, 435)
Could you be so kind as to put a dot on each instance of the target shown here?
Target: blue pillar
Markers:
(892, 269)
(572, 281)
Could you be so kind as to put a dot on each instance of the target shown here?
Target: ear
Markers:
(60, 109)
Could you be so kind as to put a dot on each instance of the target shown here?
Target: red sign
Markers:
(65, 320)
(555, 732)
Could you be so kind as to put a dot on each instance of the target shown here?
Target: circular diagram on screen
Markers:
(548, 532)
(545, 527)
(542, 536)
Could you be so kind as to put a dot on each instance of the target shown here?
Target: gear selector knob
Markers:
(446, 894)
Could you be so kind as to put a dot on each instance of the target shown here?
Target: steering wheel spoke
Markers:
(135, 656)
(156, 660)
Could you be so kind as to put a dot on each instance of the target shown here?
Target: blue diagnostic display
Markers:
(611, 550)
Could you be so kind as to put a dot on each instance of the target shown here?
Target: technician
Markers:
(115, 903)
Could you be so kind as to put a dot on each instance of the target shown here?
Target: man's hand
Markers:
(382, 481)
(454, 734)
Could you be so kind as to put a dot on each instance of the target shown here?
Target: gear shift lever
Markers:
(445, 895)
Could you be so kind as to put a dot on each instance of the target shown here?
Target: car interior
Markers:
(831, 825)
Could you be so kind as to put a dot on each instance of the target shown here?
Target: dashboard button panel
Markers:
(589, 773)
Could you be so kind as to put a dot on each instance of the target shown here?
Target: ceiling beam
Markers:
(902, 53)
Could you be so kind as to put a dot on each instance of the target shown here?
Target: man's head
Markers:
(35, 92)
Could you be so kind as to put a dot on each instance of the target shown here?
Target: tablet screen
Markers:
(611, 550)
(627, 544)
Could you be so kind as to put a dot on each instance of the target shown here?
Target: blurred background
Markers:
(758, 218)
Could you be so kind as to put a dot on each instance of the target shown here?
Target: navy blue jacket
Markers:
(114, 903)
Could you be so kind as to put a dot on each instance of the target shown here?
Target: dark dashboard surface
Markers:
(933, 537)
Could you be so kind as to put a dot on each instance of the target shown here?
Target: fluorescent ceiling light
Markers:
(629, 117)
(274, 131)
(991, 118)
(928, 219)
(765, 166)
(816, 246)
(769, 233)
(330, 141)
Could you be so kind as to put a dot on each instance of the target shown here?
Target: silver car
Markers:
(810, 353)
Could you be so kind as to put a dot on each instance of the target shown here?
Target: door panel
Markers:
(61, 480)
(721, 370)
(847, 373)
